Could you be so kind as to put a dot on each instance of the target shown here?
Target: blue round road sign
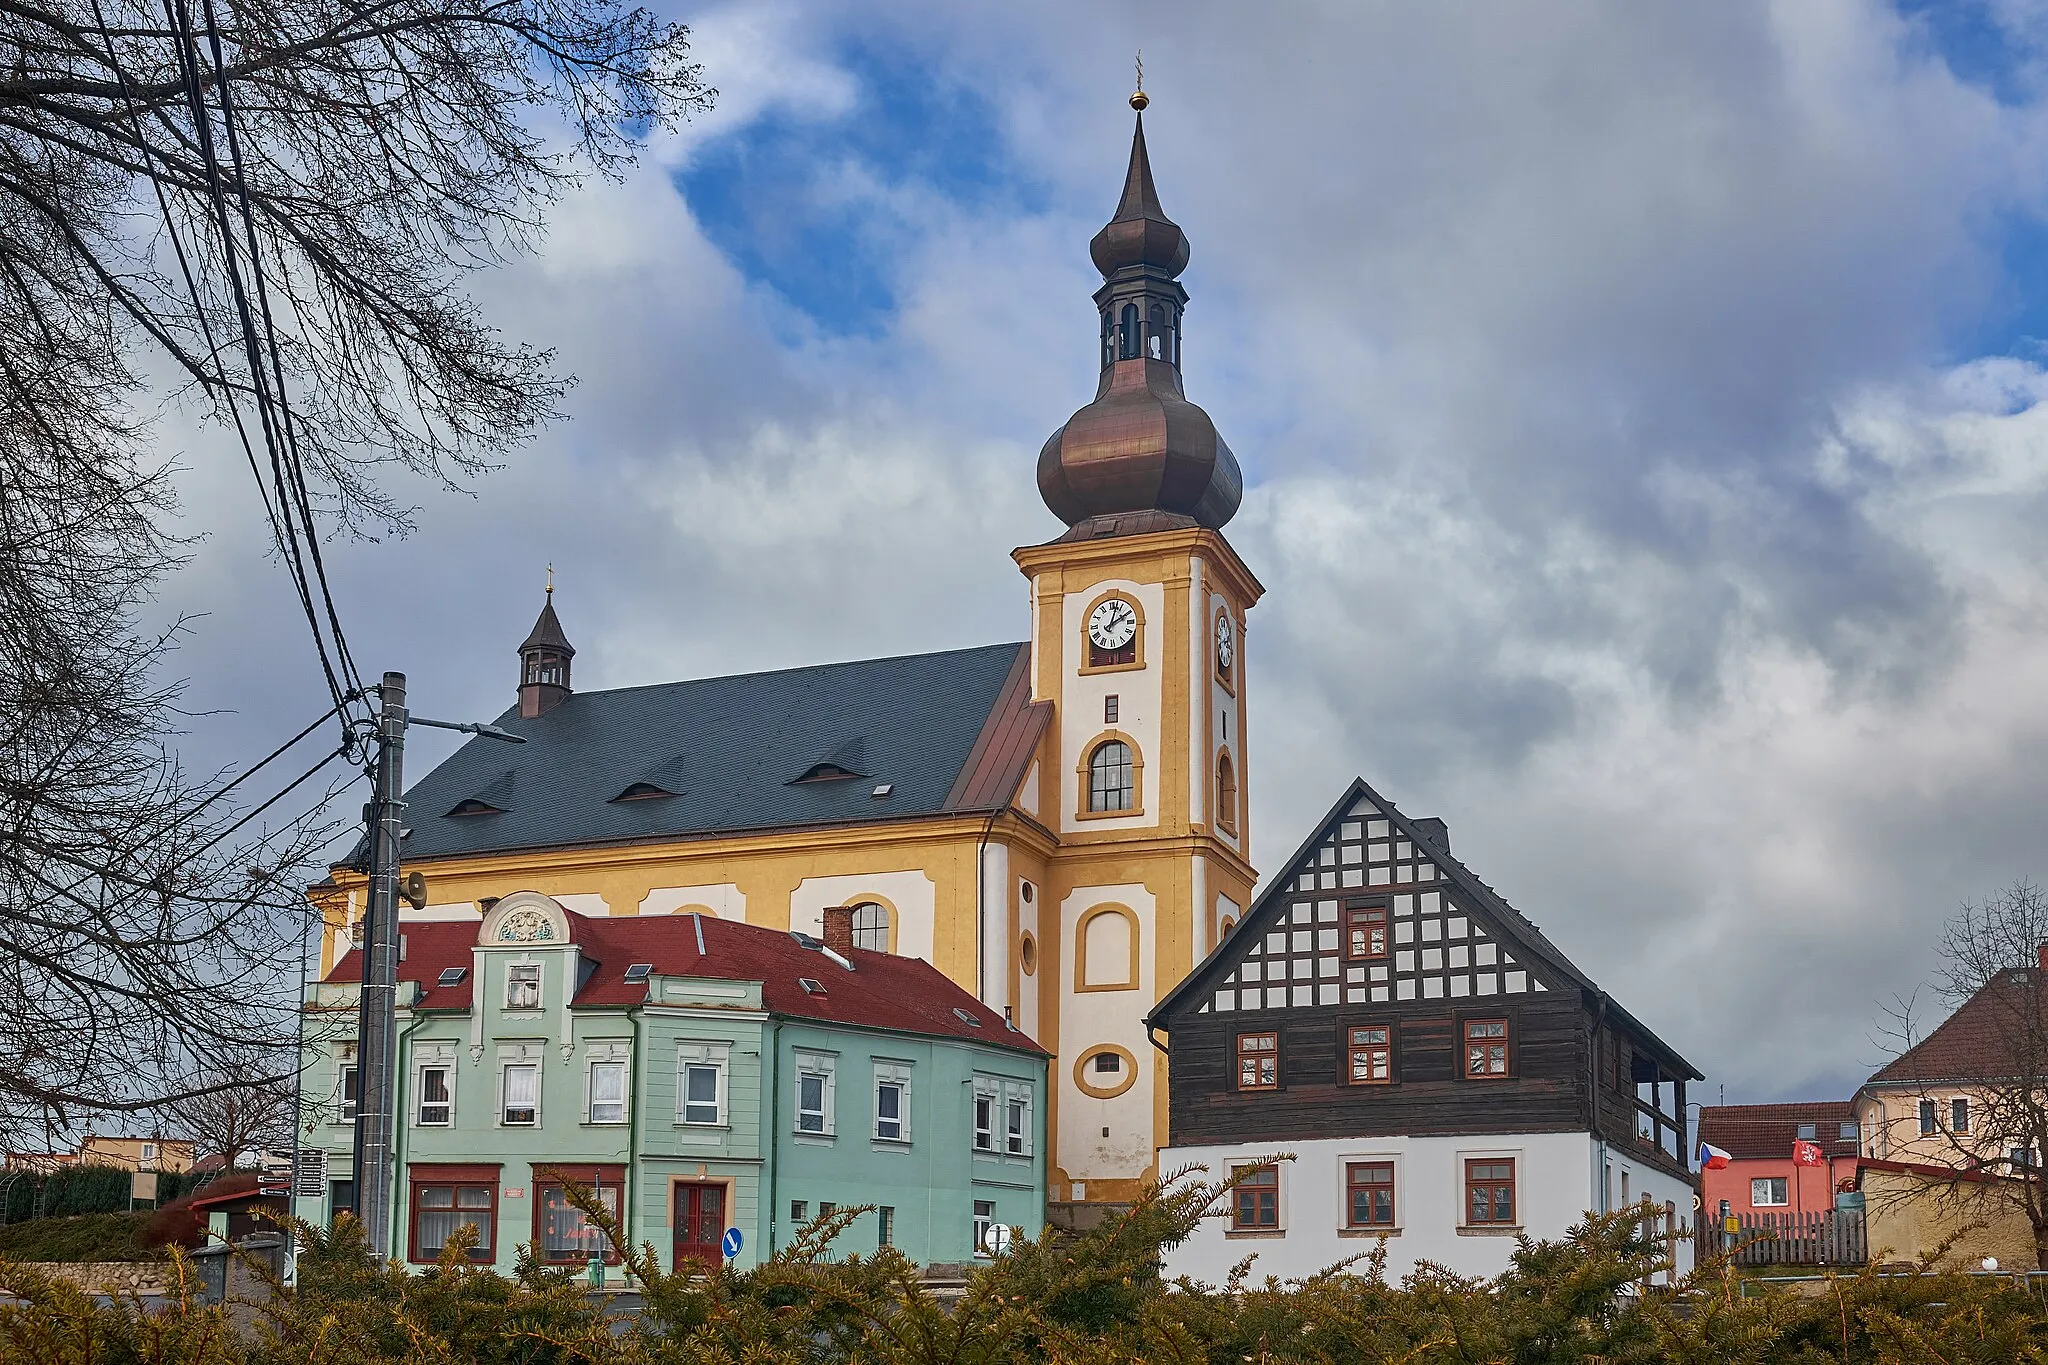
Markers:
(730, 1243)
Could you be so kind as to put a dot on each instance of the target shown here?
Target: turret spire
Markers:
(1140, 457)
(544, 660)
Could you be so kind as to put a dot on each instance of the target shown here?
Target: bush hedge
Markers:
(81, 1237)
(85, 1189)
(1058, 1300)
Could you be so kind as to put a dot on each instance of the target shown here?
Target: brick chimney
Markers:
(838, 933)
(2041, 956)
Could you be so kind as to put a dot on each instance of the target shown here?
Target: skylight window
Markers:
(967, 1018)
(452, 976)
(639, 972)
(811, 985)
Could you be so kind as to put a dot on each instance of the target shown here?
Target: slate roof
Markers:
(881, 991)
(946, 732)
(1976, 1043)
(1429, 833)
(1753, 1131)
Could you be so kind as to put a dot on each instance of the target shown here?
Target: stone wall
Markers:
(107, 1277)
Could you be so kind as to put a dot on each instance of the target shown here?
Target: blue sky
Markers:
(1640, 407)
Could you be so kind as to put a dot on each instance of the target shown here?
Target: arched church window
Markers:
(871, 926)
(1108, 340)
(1226, 793)
(1109, 776)
(1127, 325)
(1155, 333)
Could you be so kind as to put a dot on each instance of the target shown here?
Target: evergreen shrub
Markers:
(1587, 1299)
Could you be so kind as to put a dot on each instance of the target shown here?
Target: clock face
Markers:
(1226, 643)
(1112, 624)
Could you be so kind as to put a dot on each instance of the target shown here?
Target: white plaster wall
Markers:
(723, 899)
(1139, 694)
(1089, 1018)
(1199, 668)
(992, 953)
(1225, 909)
(1028, 799)
(1552, 1184)
(1226, 722)
(1644, 1182)
(911, 891)
(1048, 961)
(585, 903)
(1202, 925)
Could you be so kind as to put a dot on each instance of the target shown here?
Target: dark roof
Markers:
(881, 990)
(1483, 898)
(547, 631)
(946, 732)
(1769, 1130)
(1981, 1041)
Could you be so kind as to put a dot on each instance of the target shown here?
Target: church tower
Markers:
(1138, 615)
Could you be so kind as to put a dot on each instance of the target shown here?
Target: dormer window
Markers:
(826, 772)
(473, 806)
(522, 986)
(642, 791)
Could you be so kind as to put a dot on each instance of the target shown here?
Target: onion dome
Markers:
(1140, 457)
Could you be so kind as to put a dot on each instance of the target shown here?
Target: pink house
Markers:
(1761, 1176)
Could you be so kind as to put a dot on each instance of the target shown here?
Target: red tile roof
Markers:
(1752, 1131)
(880, 990)
(1977, 1042)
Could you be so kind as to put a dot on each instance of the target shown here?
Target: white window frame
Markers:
(716, 1056)
(1766, 1182)
(344, 1107)
(987, 1091)
(1017, 1093)
(897, 1074)
(823, 1066)
(982, 1223)
(540, 984)
(590, 1100)
(504, 1077)
(419, 1090)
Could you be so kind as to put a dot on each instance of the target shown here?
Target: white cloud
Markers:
(1613, 496)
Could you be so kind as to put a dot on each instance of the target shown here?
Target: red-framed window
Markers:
(562, 1235)
(1365, 932)
(444, 1198)
(1258, 1061)
(1490, 1191)
(1488, 1054)
(1369, 1050)
(1255, 1202)
(1369, 1194)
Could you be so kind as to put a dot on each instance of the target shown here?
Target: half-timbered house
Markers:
(1440, 1073)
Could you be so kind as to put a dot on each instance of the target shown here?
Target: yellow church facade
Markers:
(1059, 825)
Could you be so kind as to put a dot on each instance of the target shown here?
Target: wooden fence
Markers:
(1835, 1238)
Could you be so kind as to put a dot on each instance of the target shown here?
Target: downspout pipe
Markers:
(1593, 1061)
(771, 1064)
(399, 1127)
(632, 1181)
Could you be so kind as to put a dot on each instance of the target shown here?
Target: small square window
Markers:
(1768, 1192)
(1808, 1131)
(1108, 1063)
(1255, 1202)
(1486, 1049)
(522, 986)
(799, 1211)
(1369, 1186)
(1258, 1061)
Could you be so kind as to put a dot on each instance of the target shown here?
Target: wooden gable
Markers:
(1440, 944)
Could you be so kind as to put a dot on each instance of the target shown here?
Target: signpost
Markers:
(731, 1243)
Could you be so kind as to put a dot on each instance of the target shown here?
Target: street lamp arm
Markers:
(488, 731)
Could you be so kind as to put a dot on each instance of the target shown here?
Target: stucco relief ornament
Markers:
(525, 926)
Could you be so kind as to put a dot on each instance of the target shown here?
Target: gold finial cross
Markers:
(1141, 68)
(551, 580)
(1139, 99)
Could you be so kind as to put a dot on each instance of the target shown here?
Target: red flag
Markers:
(1807, 1154)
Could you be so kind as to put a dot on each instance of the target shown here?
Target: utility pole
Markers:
(376, 1173)
(376, 1023)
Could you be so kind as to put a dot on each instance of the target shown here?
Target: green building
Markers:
(701, 1074)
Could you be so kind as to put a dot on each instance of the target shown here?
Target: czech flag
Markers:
(1712, 1158)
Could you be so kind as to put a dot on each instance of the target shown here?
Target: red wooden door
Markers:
(700, 1224)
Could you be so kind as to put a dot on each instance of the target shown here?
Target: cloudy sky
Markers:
(1641, 409)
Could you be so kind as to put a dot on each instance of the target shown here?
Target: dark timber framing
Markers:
(1457, 954)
